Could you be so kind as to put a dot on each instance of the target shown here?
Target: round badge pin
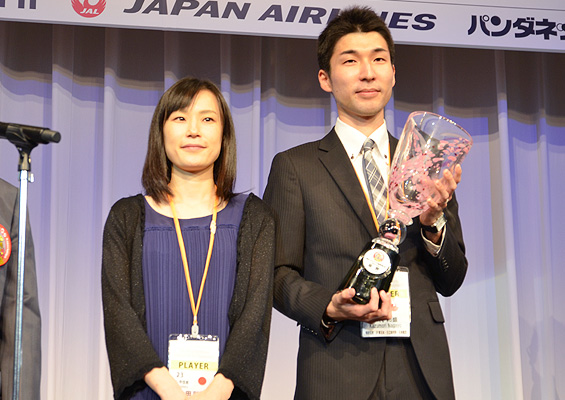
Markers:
(5, 246)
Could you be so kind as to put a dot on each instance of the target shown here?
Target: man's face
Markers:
(361, 78)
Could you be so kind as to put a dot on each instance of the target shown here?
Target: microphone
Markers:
(17, 133)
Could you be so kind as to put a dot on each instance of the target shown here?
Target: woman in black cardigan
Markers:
(188, 174)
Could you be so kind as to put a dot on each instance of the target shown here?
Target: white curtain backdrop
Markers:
(98, 87)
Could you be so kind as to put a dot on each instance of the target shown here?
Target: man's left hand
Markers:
(444, 191)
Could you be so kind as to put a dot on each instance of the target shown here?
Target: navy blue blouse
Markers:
(168, 308)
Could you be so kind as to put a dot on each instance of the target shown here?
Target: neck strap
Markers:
(195, 307)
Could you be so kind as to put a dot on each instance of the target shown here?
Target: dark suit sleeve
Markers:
(298, 298)
(449, 268)
(30, 372)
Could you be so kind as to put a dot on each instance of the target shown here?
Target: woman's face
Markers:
(193, 135)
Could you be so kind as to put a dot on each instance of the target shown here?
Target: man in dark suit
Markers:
(324, 221)
(30, 372)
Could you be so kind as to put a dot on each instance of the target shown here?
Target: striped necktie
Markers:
(375, 182)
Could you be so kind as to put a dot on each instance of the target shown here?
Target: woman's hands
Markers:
(162, 383)
(219, 389)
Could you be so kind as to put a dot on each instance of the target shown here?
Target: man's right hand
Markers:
(343, 307)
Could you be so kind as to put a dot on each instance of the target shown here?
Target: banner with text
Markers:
(438, 23)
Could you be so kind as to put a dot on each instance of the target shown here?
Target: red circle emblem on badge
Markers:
(202, 380)
(5, 246)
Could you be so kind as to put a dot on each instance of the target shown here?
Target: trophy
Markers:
(429, 145)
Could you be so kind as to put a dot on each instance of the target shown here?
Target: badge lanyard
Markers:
(369, 202)
(196, 306)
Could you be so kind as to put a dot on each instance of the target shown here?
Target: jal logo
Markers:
(89, 8)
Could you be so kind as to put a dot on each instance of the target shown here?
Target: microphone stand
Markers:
(24, 167)
(25, 138)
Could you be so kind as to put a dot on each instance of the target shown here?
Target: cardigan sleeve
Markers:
(245, 353)
(130, 351)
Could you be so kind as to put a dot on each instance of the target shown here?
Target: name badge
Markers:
(193, 360)
(399, 325)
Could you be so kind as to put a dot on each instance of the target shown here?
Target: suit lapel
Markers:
(392, 143)
(336, 161)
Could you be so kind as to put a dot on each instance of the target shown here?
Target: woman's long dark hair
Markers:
(157, 168)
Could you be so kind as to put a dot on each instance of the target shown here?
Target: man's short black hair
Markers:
(350, 20)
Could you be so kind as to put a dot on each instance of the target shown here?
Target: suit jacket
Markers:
(30, 372)
(323, 222)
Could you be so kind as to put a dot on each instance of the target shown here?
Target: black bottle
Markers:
(374, 268)
(377, 262)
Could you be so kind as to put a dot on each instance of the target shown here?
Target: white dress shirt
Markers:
(352, 140)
